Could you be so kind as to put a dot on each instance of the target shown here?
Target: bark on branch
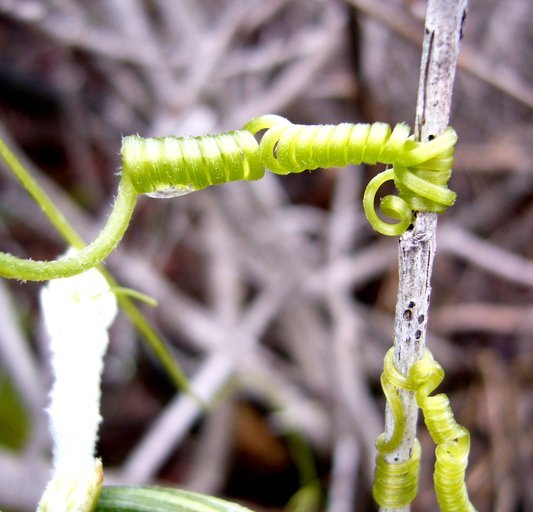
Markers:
(443, 32)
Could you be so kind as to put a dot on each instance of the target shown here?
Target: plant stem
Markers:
(69, 234)
(86, 258)
(443, 32)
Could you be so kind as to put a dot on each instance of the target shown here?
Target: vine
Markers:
(396, 485)
(169, 166)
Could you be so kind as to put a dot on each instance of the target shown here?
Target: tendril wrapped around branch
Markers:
(171, 166)
(395, 484)
(452, 439)
(420, 170)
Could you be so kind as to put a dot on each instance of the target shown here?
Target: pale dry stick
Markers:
(355, 417)
(305, 337)
(131, 20)
(443, 31)
(213, 49)
(499, 76)
(76, 129)
(177, 310)
(481, 214)
(264, 373)
(183, 18)
(486, 255)
(282, 253)
(17, 359)
(173, 424)
(496, 156)
(72, 31)
(346, 462)
(297, 77)
(483, 317)
(274, 54)
(508, 14)
(399, 20)
(199, 327)
(352, 388)
(19, 206)
(22, 480)
(183, 313)
(209, 465)
(305, 334)
(503, 426)
(263, 13)
(176, 420)
(225, 294)
(354, 270)
(225, 288)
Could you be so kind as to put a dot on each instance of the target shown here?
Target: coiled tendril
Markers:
(420, 171)
(452, 439)
(395, 485)
(171, 166)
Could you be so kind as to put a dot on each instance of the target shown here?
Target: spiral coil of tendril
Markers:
(420, 171)
(452, 439)
(170, 166)
(395, 484)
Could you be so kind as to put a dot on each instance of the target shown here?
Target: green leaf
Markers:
(14, 422)
(161, 499)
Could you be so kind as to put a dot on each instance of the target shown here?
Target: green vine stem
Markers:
(48, 207)
(64, 228)
(88, 257)
(171, 166)
(396, 484)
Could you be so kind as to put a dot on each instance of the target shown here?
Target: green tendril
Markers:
(420, 170)
(90, 256)
(452, 439)
(395, 484)
(172, 166)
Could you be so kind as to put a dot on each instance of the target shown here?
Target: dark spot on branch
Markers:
(421, 318)
(463, 21)
(411, 304)
(418, 334)
(407, 315)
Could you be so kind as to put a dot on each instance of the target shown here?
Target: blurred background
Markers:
(276, 297)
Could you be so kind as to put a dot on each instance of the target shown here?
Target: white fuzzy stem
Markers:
(77, 313)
